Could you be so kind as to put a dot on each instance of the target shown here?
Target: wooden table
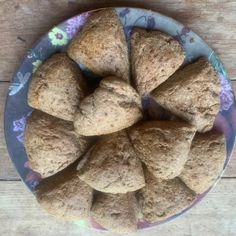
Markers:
(22, 22)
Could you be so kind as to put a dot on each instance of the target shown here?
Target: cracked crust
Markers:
(112, 165)
(113, 106)
(51, 144)
(155, 57)
(65, 196)
(206, 161)
(160, 199)
(116, 212)
(57, 87)
(193, 94)
(101, 45)
(163, 146)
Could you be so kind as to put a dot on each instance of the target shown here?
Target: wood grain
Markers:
(23, 22)
(22, 216)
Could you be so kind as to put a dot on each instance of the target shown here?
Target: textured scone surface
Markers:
(65, 196)
(113, 106)
(116, 212)
(112, 165)
(163, 146)
(51, 143)
(101, 45)
(57, 87)
(155, 57)
(205, 162)
(160, 199)
(193, 94)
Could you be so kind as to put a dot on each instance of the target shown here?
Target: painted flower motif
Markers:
(226, 95)
(19, 125)
(75, 24)
(58, 37)
(20, 137)
(182, 36)
(124, 12)
(17, 86)
(32, 178)
(151, 22)
(36, 65)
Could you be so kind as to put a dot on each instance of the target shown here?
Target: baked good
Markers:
(112, 166)
(101, 45)
(51, 143)
(115, 212)
(57, 87)
(163, 146)
(206, 161)
(193, 94)
(113, 106)
(160, 199)
(65, 196)
(155, 57)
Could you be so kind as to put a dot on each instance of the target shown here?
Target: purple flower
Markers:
(20, 137)
(75, 24)
(19, 125)
(226, 95)
(124, 12)
(151, 22)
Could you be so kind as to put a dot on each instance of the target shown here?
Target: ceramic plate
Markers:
(57, 39)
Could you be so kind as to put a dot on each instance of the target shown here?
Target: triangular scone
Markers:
(112, 165)
(57, 87)
(206, 161)
(116, 212)
(51, 143)
(163, 146)
(160, 199)
(193, 94)
(155, 56)
(113, 106)
(101, 45)
(65, 196)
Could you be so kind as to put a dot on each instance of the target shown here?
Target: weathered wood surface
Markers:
(20, 215)
(22, 22)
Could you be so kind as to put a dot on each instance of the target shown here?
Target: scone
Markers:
(65, 196)
(112, 166)
(57, 87)
(155, 56)
(160, 199)
(51, 143)
(205, 162)
(116, 212)
(193, 94)
(101, 45)
(113, 106)
(163, 146)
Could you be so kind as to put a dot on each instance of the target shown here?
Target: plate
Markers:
(57, 39)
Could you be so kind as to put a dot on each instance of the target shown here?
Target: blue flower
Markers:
(151, 22)
(19, 125)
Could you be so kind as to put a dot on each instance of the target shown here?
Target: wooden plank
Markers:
(21, 215)
(7, 170)
(23, 22)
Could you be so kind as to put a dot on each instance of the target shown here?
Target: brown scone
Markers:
(101, 45)
(206, 161)
(57, 87)
(163, 146)
(113, 106)
(160, 199)
(155, 57)
(193, 94)
(65, 196)
(115, 212)
(51, 143)
(112, 165)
